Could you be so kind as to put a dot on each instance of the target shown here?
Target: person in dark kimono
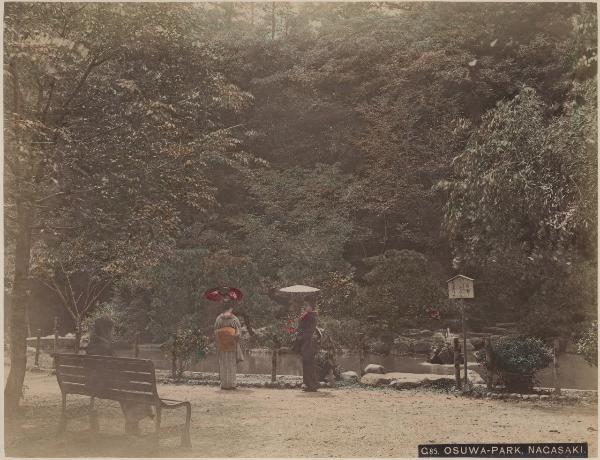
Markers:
(307, 325)
(101, 344)
(101, 338)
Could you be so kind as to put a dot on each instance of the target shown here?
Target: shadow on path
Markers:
(237, 391)
(317, 394)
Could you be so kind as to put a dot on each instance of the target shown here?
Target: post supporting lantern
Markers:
(460, 287)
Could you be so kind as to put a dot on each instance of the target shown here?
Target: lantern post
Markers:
(460, 287)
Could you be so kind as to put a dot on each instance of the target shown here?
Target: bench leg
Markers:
(62, 422)
(185, 437)
(94, 426)
(157, 420)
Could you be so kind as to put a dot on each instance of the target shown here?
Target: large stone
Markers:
(349, 376)
(474, 377)
(374, 369)
(375, 379)
(402, 385)
(446, 356)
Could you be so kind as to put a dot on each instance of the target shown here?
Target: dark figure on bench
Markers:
(101, 344)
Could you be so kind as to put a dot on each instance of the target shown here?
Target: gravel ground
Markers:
(262, 422)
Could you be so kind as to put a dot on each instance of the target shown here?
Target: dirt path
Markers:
(289, 423)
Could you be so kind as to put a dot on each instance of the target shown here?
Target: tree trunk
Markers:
(77, 335)
(174, 360)
(275, 354)
(17, 315)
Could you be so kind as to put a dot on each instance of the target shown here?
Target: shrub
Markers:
(517, 360)
(588, 345)
(188, 346)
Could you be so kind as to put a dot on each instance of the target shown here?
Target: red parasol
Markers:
(219, 294)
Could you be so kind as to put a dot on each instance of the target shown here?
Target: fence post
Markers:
(174, 358)
(274, 355)
(38, 344)
(464, 331)
(457, 362)
(555, 353)
(491, 363)
(361, 353)
(55, 348)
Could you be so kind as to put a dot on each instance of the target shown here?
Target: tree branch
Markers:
(54, 287)
(49, 196)
(75, 307)
(94, 299)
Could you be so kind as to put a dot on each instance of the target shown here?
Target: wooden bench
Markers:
(116, 379)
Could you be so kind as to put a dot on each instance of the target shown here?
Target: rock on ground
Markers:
(349, 376)
(402, 377)
(374, 369)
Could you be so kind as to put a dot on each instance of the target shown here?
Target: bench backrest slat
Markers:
(107, 377)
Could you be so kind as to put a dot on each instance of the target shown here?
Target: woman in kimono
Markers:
(227, 337)
(101, 344)
(304, 343)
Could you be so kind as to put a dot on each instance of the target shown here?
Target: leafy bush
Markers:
(588, 345)
(188, 346)
(517, 359)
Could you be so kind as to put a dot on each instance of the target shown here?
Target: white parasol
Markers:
(299, 288)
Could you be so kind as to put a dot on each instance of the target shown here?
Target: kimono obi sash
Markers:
(226, 340)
